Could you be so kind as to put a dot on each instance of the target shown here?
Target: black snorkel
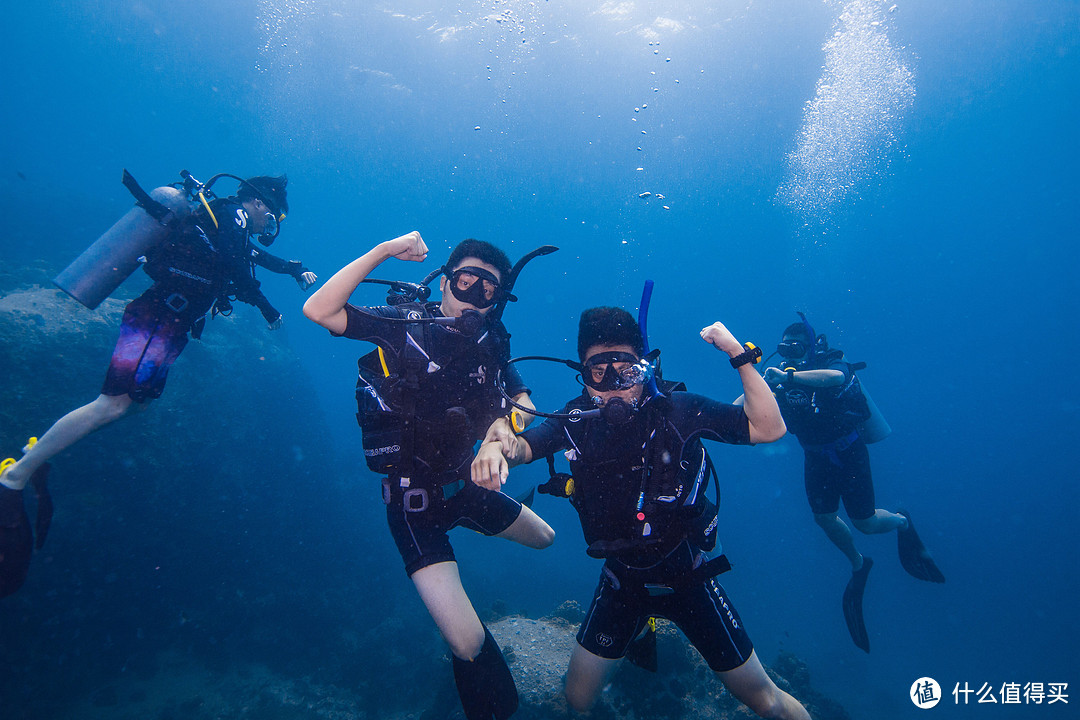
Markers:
(470, 322)
(507, 288)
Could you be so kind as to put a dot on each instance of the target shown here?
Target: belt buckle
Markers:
(658, 589)
(176, 302)
(407, 500)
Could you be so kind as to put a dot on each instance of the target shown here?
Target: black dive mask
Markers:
(475, 286)
(618, 370)
(792, 350)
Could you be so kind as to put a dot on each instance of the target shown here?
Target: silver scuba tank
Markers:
(111, 259)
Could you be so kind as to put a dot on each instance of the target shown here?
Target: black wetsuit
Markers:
(196, 265)
(633, 496)
(427, 460)
(826, 422)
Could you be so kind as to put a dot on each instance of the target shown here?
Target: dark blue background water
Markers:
(950, 268)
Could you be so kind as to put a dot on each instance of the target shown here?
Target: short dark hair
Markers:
(608, 326)
(481, 251)
(797, 330)
(271, 190)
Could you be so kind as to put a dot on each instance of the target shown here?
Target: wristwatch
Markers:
(750, 354)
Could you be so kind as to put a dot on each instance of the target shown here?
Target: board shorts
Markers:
(152, 336)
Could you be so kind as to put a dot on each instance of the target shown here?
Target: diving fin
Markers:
(39, 481)
(642, 651)
(484, 684)
(853, 597)
(16, 541)
(914, 556)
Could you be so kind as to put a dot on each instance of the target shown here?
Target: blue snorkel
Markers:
(643, 324)
(811, 346)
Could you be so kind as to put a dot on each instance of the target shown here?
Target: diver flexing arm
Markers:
(327, 306)
(766, 423)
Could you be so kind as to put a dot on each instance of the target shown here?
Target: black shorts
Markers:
(420, 517)
(838, 474)
(701, 610)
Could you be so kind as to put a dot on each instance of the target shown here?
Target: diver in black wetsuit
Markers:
(206, 261)
(824, 406)
(639, 475)
(426, 396)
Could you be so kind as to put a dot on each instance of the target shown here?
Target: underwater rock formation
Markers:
(207, 522)
(683, 686)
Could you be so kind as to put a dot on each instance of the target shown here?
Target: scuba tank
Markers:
(111, 259)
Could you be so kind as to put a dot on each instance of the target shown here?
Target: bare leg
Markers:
(840, 534)
(754, 688)
(65, 432)
(529, 530)
(882, 521)
(586, 677)
(440, 588)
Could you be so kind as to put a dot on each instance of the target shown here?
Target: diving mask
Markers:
(473, 285)
(617, 370)
(792, 350)
(270, 229)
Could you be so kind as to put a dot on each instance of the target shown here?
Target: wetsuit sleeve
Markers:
(711, 420)
(362, 323)
(274, 264)
(546, 438)
(514, 384)
(250, 294)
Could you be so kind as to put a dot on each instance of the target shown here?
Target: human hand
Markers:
(410, 247)
(721, 338)
(774, 375)
(489, 468)
(276, 324)
(502, 432)
(306, 279)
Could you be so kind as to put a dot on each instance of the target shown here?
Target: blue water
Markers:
(947, 262)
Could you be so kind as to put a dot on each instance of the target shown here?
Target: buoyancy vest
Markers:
(822, 415)
(640, 489)
(422, 407)
(195, 257)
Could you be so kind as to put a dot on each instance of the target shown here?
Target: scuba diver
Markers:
(425, 396)
(639, 475)
(203, 260)
(827, 409)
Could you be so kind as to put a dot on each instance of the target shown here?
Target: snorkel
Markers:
(651, 390)
(470, 322)
(811, 343)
